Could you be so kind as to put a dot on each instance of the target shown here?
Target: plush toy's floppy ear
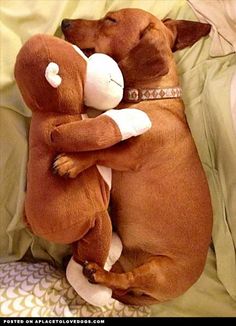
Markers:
(185, 32)
(147, 60)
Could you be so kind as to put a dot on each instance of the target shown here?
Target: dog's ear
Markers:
(147, 60)
(185, 32)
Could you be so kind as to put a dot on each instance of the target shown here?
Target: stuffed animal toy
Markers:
(55, 80)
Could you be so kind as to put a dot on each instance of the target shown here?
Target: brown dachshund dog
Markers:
(160, 201)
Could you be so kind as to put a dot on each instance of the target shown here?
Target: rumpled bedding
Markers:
(41, 290)
(222, 16)
(206, 84)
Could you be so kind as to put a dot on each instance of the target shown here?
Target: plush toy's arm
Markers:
(101, 132)
(88, 134)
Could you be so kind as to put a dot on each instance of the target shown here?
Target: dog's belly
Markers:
(162, 214)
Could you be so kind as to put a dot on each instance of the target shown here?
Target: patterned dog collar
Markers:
(144, 94)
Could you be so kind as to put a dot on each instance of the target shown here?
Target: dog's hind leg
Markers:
(160, 278)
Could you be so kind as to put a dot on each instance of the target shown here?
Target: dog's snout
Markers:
(65, 24)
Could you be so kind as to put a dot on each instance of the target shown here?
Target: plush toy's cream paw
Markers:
(114, 252)
(131, 122)
(95, 294)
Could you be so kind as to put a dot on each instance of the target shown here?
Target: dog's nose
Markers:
(65, 24)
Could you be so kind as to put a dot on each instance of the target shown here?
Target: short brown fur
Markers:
(161, 205)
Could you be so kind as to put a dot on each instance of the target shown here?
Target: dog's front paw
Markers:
(92, 272)
(64, 165)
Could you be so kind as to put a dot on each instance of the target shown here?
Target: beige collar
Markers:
(144, 94)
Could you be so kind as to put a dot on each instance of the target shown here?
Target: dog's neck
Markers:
(155, 93)
(164, 87)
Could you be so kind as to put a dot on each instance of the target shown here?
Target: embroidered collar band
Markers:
(144, 94)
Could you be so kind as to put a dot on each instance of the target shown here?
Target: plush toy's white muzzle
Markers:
(104, 82)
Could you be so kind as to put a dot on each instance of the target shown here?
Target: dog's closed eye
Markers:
(110, 20)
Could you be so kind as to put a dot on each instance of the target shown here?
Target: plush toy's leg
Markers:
(100, 246)
(95, 245)
(94, 294)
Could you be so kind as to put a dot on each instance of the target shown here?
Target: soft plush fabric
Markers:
(206, 91)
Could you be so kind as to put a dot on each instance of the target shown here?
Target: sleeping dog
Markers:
(160, 201)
